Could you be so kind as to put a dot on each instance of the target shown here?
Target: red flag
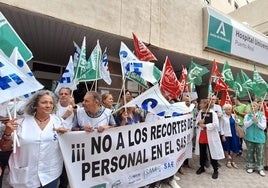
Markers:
(186, 88)
(141, 51)
(220, 85)
(225, 98)
(182, 80)
(215, 73)
(169, 84)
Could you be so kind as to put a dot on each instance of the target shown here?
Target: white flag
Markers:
(125, 56)
(131, 65)
(67, 77)
(153, 101)
(77, 51)
(104, 68)
(14, 83)
(142, 68)
(17, 60)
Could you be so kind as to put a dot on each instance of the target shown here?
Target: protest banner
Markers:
(127, 156)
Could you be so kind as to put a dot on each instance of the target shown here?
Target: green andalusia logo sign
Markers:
(219, 35)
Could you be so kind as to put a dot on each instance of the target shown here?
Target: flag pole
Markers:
(97, 68)
(250, 100)
(16, 140)
(209, 104)
(15, 136)
(124, 91)
(262, 101)
(96, 85)
(120, 93)
(72, 91)
(92, 85)
(86, 85)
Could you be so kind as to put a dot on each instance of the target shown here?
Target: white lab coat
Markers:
(214, 141)
(38, 160)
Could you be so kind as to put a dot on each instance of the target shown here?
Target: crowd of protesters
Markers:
(38, 161)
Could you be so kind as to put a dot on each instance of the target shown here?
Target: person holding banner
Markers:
(6, 140)
(66, 110)
(208, 137)
(5, 146)
(123, 99)
(107, 101)
(38, 161)
(66, 107)
(255, 124)
(131, 116)
(93, 116)
(187, 101)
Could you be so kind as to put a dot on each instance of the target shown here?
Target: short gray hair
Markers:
(30, 107)
(227, 106)
(96, 96)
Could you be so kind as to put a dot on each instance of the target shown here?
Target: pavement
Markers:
(228, 177)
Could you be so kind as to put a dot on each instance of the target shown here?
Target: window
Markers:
(46, 68)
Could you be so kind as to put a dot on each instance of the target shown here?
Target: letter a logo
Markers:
(221, 29)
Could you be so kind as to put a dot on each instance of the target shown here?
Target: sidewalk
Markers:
(228, 177)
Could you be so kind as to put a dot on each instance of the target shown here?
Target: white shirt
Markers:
(69, 120)
(103, 118)
(225, 126)
(38, 160)
(217, 108)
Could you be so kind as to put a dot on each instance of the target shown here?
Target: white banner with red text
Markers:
(127, 156)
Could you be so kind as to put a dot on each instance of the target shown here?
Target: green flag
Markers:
(259, 84)
(210, 91)
(239, 90)
(9, 39)
(195, 73)
(93, 65)
(228, 75)
(157, 73)
(81, 67)
(246, 81)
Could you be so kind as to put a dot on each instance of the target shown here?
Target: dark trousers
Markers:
(203, 157)
(52, 184)
(240, 144)
(63, 178)
(4, 156)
